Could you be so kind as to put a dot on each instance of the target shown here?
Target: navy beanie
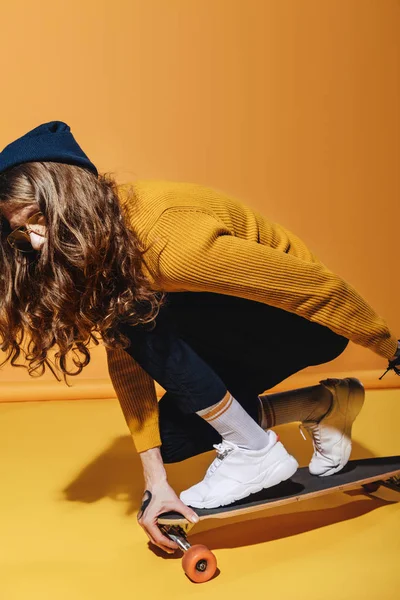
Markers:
(51, 141)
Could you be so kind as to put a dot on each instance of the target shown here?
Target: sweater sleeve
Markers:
(136, 393)
(215, 260)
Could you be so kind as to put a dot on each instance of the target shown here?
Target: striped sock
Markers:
(234, 424)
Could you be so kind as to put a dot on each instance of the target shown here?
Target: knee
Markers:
(338, 347)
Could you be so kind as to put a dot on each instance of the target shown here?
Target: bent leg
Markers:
(172, 363)
(192, 387)
(183, 435)
(257, 346)
(253, 347)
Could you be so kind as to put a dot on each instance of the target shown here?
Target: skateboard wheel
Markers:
(371, 487)
(199, 563)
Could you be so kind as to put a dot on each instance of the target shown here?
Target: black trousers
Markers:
(205, 344)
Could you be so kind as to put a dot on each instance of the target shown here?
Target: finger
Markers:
(188, 513)
(153, 541)
(164, 541)
(161, 540)
(157, 538)
(164, 548)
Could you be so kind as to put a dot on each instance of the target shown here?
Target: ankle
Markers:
(234, 424)
(266, 418)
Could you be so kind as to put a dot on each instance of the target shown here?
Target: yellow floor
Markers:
(70, 489)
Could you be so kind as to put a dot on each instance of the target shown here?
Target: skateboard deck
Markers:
(200, 564)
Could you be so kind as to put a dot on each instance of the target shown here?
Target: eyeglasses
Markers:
(19, 238)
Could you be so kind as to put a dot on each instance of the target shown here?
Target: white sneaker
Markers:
(332, 434)
(236, 473)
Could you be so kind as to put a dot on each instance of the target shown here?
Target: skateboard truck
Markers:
(198, 562)
(177, 533)
(393, 483)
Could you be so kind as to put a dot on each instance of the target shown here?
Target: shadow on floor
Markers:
(278, 526)
(258, 530)
(116, 473)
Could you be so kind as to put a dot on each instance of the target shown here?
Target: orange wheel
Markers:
(199, 563)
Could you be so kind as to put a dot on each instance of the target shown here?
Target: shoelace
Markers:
(222, 452)
(314, 431)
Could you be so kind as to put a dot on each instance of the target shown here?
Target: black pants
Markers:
(204, 344)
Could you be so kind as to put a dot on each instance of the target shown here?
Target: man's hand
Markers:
(159, 498)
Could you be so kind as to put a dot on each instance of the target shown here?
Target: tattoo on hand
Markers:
(147, 496)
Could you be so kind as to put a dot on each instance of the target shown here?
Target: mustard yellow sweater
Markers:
(203, 240)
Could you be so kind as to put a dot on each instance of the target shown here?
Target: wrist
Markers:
(153, 467)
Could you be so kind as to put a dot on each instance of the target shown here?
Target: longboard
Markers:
(200, 564)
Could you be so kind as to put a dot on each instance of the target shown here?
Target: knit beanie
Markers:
(51, 141)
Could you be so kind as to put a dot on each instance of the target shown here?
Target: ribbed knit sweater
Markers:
(203, 240)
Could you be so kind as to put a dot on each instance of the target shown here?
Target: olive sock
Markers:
(304, 404)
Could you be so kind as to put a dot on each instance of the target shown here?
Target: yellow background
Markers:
(292, 106)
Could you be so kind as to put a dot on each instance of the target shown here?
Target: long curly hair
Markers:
(86, 279)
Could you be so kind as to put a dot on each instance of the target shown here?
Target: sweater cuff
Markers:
(387, 348)
(147, 435)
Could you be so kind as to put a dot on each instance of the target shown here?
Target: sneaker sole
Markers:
(355, 399)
